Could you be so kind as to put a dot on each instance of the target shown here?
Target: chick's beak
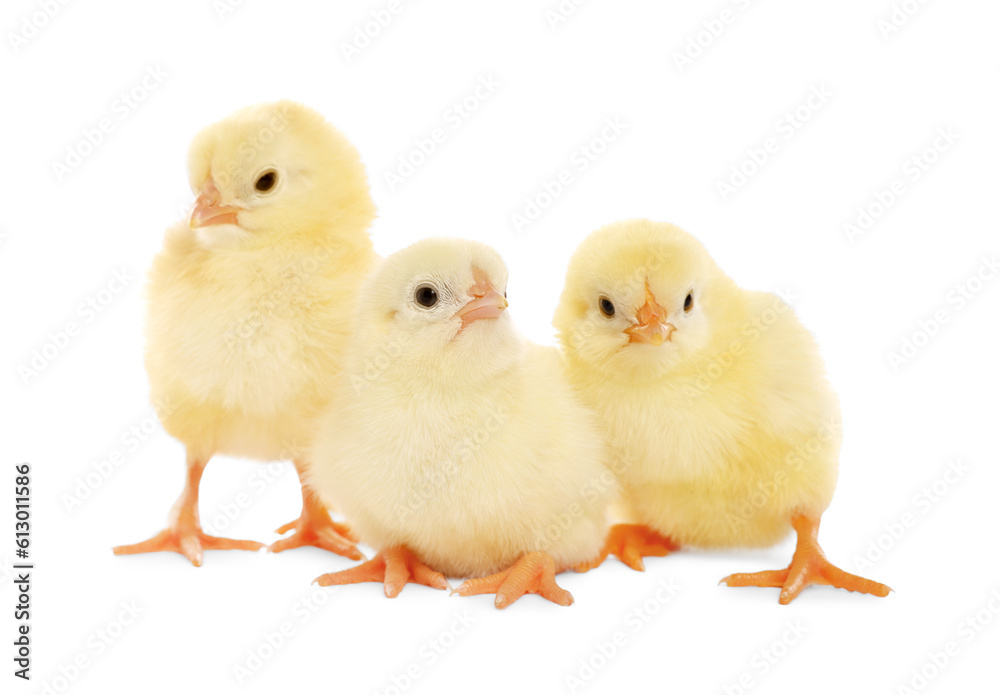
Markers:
(650, 326)
(207, 210)
(487, 302)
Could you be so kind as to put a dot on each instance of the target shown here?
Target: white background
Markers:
(891, 91)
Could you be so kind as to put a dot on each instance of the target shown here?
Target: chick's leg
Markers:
(630, 543)
(395, 567)
(809, 566)
(315, 527)
(535, 573)
(183, 533)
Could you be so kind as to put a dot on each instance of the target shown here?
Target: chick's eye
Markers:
(606, 306)
(426, 296)
(266, 181)
(688, 302)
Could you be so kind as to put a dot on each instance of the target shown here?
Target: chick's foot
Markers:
(630, 543)
(183, 533)
(395, 567)
(315, 527)
(809, 566)
(535, 573)
(189, 541)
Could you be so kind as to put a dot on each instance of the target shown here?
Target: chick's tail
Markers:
(809, 566)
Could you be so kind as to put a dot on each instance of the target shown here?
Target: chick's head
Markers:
(439, 305)
(641, 297)
(275, 170)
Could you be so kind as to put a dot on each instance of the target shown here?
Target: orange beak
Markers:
(487, 302)
(651, 326)
(207, 210)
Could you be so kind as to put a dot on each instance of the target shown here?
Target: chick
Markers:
(722, 425)
(463, 450)
(249, 306)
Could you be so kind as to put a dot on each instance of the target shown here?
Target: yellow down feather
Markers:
(722, 433)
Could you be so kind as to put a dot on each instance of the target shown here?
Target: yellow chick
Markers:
(249, 306)
(722, 425)
(463, 450)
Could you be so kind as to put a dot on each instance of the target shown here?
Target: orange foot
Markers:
(395, 567)
(809, 566)
(630, 543)
(315, 527)
(535, 573)
(189, 541)
(183, 533)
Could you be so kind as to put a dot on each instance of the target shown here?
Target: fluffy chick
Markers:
(463, 449)
(723, 428)
(249, 305)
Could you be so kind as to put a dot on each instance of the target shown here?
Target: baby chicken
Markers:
(463, 450)
(249, 306)
(723, 428)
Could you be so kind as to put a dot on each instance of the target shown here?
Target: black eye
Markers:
(606, 306)
(426, 296)
(688, 302)
(266, 181)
